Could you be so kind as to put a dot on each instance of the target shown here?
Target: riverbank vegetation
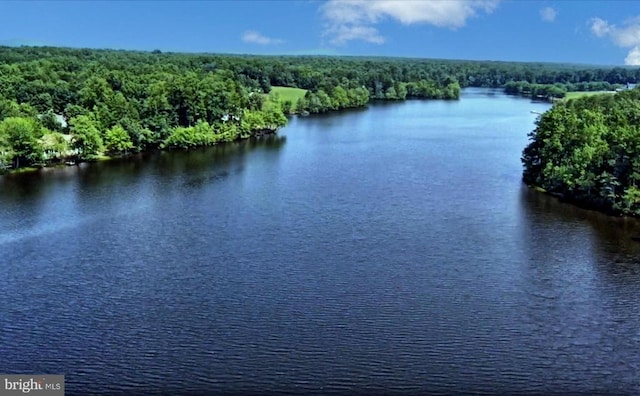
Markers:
(559, 90)
(587, 150)
(62, 105)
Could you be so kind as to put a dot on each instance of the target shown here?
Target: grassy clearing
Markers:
(25, 169)
(575, 94)
(288, 93)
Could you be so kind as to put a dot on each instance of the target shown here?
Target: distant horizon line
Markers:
(313, 52)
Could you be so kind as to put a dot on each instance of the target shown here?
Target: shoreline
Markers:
(582, 204)
(256, 134)
(71, 162)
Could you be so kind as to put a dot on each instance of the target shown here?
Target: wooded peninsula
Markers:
(61, 105)
(587, 151)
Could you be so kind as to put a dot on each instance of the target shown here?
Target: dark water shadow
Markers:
(24, 197)
(198, 162)
(611, 239)
(338, 113)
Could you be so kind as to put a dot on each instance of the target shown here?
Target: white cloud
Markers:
(629, 35)
(357, 19)
(251, 36)
(626, 36)
(633, 58)
(548, 14)
(344, 33)
(599, 27)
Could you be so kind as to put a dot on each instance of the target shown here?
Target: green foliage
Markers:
(451, 91)
(430, 90)
(50, 121)
(273, 116)
(588, 150)
(228, 132)
(339, 98)
(187, 137)
(86, 137)
(73, 110)
(287, 107)
(559, 89)
(255, 101)
(55, 145)
(391, 93)
(631, 201)
(301, 105)
(117, 141)
(19, 142)
(141, 138)
(252, 120)
(6, 153)
(152, 95)
(9, 108)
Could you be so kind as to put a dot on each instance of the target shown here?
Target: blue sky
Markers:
(591, 32)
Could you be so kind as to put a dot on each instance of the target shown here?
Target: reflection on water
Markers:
(387, 250)
(611, 235)
(51, 199)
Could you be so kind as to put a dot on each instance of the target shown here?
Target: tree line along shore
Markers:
(60, 105)
(587, 151)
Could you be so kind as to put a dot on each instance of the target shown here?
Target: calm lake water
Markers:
(387, 250)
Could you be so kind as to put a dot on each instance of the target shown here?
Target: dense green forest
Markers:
(587, 150)
(558, 90)
(60, 104)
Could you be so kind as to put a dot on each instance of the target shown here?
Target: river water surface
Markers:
(387, 250)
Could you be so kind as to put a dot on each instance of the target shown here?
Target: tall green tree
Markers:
(55, 145)
(22, 136)
(86, 137)
(117, 141)
(6, 153)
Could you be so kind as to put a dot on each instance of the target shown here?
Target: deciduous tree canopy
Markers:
(588, 150)
(118, 102)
